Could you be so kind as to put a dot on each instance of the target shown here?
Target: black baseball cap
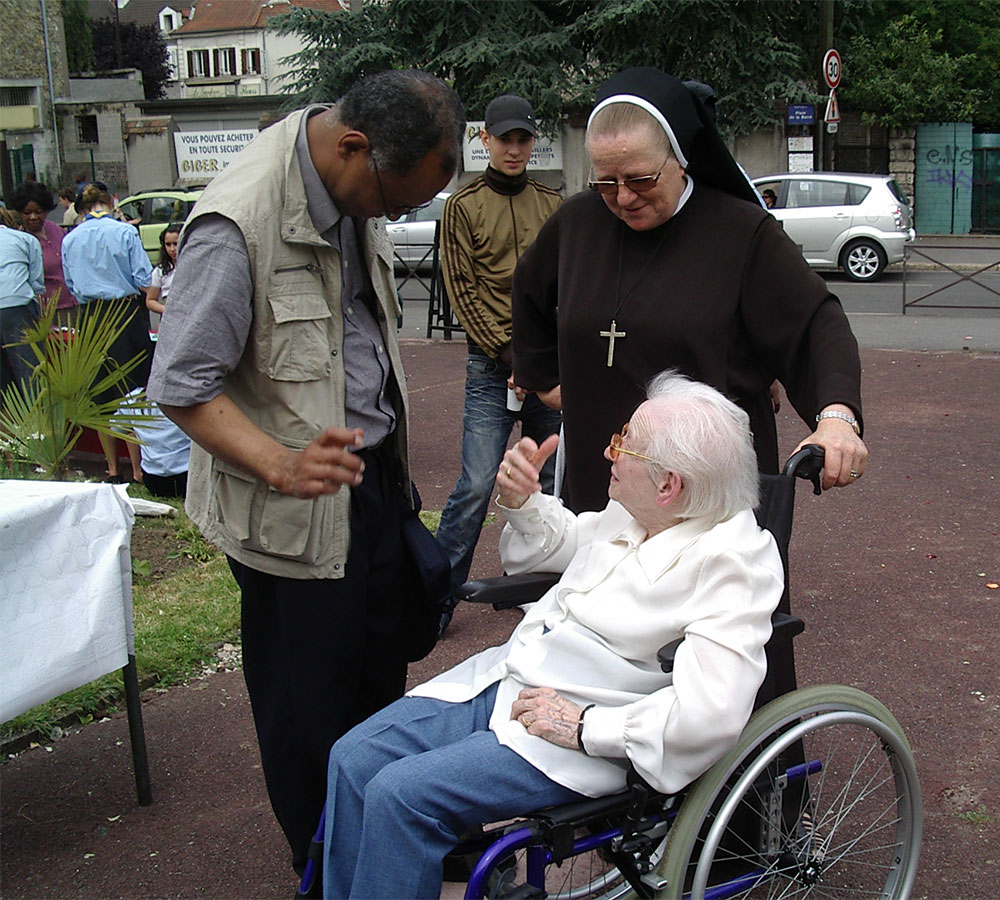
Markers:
(507, 112)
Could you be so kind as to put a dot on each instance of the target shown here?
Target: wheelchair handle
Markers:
(807, 463)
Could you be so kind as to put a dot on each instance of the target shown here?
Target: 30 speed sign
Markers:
(831, 68)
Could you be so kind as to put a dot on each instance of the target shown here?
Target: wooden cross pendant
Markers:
(611, 335)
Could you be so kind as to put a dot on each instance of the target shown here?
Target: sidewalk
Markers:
(890, 576)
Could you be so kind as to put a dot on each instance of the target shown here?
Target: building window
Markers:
(17, 96)
(86, 129)
(251, 61)
(172, 68)
(225, 61)
(198, 64)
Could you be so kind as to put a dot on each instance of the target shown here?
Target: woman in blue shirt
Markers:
(21, 280)
(106, 266)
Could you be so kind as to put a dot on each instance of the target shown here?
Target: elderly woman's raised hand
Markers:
(517, 477)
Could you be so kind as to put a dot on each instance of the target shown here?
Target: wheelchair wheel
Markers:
(818, 797)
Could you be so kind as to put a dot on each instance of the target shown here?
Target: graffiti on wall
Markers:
(947, 164)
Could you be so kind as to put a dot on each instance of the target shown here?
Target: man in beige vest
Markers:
(277, 354)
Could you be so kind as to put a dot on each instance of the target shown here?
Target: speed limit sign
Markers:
(831, 68)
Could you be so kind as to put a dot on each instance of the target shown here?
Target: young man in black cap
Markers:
(485, 227)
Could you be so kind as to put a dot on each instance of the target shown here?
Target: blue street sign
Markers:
(801, 114)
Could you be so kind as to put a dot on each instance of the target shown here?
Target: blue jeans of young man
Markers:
(403, 785)
(486, 428)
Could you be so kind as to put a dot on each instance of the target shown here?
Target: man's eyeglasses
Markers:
(640, 184)
(615, 447)
(397, 209)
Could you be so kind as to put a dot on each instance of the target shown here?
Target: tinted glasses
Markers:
(615, 447)
(639, 184)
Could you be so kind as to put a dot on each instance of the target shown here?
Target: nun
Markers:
(668, 260)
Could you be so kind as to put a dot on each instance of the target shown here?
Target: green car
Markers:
(153, 210)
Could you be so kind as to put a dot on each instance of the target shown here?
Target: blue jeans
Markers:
(486, 428)
(403, 785)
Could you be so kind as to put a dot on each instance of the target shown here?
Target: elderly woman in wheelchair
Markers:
(577, 700)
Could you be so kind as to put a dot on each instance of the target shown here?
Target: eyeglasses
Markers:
(639, 185)
(397, 209)
(615, 447)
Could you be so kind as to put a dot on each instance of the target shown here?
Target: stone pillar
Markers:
(902, 158)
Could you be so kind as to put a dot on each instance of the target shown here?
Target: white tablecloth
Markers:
(65, 588)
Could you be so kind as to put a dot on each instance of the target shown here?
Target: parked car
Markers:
(859, 223)
(413, 235)
(156, 209)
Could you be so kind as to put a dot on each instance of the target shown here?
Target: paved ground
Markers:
(891, 577)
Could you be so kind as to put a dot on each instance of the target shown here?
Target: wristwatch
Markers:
(837, 414)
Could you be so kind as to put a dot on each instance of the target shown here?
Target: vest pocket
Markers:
(265, 521)
(299, 342)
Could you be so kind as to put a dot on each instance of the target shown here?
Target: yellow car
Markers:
(152, 211)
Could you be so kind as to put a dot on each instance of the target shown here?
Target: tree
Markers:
(79, 42)
(142, 49)
(898, 78)
(932, 60)
(557, 52)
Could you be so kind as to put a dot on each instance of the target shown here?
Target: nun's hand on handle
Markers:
(517, 478)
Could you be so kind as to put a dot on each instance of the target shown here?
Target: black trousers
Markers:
(320, 656)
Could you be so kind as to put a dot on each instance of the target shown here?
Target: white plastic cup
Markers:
(513, 404)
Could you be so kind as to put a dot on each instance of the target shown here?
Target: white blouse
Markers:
(594, 637)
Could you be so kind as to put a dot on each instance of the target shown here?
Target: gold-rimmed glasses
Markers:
(615, 447)
(638, 185)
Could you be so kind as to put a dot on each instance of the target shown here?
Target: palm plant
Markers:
(42, 423)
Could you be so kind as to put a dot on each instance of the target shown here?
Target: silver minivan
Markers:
(859, 223)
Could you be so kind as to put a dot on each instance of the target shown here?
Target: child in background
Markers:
(163, 274)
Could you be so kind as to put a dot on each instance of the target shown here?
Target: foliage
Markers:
(142, 48)
(897, 77)
(757, 55)
(42, 425)
(556, 52)
(79, 41)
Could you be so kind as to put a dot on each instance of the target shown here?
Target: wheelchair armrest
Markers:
(783, 628)
(508, 591)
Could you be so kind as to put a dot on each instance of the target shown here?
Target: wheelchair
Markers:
(819, 796)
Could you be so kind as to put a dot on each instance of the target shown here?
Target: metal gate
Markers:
(986, 183)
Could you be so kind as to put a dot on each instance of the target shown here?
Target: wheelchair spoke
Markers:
(824, 804)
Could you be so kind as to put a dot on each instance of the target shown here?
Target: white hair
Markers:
(704, 438)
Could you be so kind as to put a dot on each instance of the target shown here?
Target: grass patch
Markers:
(979, 816)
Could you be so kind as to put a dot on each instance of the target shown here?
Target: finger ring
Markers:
(508, 471)
(854, 474)
(524, 719)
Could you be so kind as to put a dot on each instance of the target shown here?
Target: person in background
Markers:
(67, 196)
(485, 226)
(22, 280)
(770, 198)
(163, 272)
(34, 202)
(278, 355)
(164, 450)
(107, 268)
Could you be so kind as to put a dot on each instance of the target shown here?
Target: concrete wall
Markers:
(149, 149)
